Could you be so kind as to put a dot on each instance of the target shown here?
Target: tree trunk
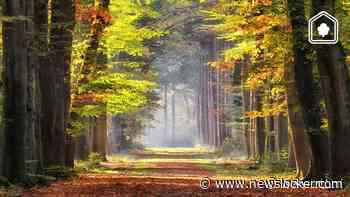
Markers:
(281, 131)
(198, 117)
(299, 139)
(47, 84)
(306, 101)
(15, 89)
(32, 135)
(246, 104)
(336, 87)
(62, 14)
(69, 151)
(276, 129)
(211, 109)
(94, 57)
(165, 111)
(269, 129)
(81, 148)
(173, 117)
(291, 154)
(218, 128)
(205, 104)
(259, 129)
(188, 108)
(41, 29)
(100, 135)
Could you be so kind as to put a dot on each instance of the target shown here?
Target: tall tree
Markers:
(173, 115)
(302, 97)
(47, 83)
(95, 61)
(15, 112)
(58, 100)
(33, 132)
(165, 110)
(41, 36)
(336, 87)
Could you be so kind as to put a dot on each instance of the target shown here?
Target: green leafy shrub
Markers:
(92, 162)
(272, 164)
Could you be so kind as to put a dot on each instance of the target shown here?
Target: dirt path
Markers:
(109, 185)
(101, 185)
(142, 178)
(161, 169)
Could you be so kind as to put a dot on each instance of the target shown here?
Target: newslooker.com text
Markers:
(272, 183)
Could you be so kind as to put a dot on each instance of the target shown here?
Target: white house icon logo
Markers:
(323, 29)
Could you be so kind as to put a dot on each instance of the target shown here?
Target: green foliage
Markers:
(79, 47)
(77, 127)
(125, 35)
(91, 163)
(120, 94)
(89, 110)
(121, 85)
(125, 101)
(272, 164)
(115, 82)
(242, 48)
(261, 35)
(343, 16)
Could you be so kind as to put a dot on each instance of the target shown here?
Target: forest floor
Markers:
(168, 172)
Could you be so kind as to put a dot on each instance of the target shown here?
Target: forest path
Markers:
(151, 173)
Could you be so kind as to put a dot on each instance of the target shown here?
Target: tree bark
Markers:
(336, 87)
(173, 117)
(32, 135)
(299, 139)
(205, 104)
(60, 48)
(259, 129)
(100, 136)
(69, 151)
(291, 153)
(269, 129)
(15, 89)
(41, 48)
(252, 127)
(306, 102)
(165, 111)
(47, 84)
(246, 104)
(211, 110)
(81, 148)
(41, 28)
